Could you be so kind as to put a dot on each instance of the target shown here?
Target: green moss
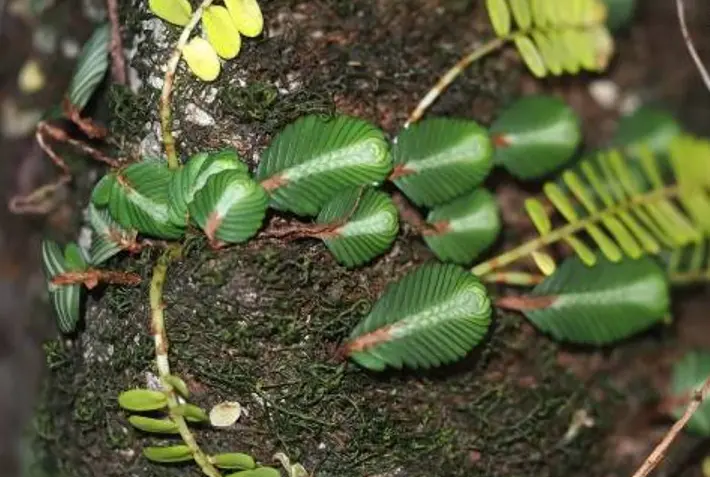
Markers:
(129, 111)
(264, 333)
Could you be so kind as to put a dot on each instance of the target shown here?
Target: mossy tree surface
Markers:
(260, 323)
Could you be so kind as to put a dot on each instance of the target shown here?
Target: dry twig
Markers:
(689, 43)
(118, 60)
(661, 449)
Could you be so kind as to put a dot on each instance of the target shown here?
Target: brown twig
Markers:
(661, 449)
(118, 60)
(42, 199)
(87, 125)
(92, 277)
(689, 44)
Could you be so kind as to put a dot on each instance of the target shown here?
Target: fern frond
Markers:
(602, 201)
(555, 37)
(688, 265)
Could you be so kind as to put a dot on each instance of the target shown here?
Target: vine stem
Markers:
(451, 75)
(659, 452)
(160, 338)
(506, 258)
(170, 71)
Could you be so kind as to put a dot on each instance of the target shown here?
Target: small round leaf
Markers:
(234, 460)
(167, 455)
(156, 426)
(536, 135)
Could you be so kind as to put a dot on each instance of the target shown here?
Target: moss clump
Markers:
(260, 325)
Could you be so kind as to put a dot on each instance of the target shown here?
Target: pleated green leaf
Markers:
(439, 159)
(689, 375)
(140, 200)
(599, 305)
(259, 472)
(367, 224)
(65, 299)
(536, 135)
(139, 400)
(168, 455)
(555, 37)
(234, 460)
(109, 238)
(464, 228)
(155, 426)
(193, 176)
(647, 127)
(91, 67)
(230, 207)
(101, 195)
(74, 259)
(433, 316)
(313, 159)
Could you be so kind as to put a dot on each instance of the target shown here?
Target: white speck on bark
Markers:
(195, 115)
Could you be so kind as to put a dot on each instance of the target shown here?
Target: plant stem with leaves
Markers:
(161, 358)
(170, 71)
(524, 250)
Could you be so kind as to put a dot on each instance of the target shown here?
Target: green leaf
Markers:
(599, 305)
(499, 14)
(109, 238)
(65, 299)
(439, 159)
(101, 195)
(192, 413)
(202, 59)
(230, 207)
(535, 136)
(177, 12)
(91, 67)
(620, 13)
(464, 228)
(140, 200)
(649, 128)
(247, 16)
(178, 385)
(156, 426)
(167, 455)
(367, 224)
(74, 260)
(689, 375)
(194, 174)
(221, 32)
(260, 472)
(140, 400)
(313, 159)
(233, 460)
(433, 316)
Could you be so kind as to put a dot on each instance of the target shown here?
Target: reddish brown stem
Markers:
(412, 216)
(400, 170)
(118, 60)
(87, 125)
(92, 277)
(522, 303)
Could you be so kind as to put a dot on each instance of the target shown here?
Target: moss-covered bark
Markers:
(259, 324)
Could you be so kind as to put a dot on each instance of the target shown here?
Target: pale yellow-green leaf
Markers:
(623, 237)
(560, 201)
(531, 56)
(221, 32)
(539, 217)
(603, 45)
(173, 11)
(499, 14)
(582, 250)
(521, 13)
(539, 12)
(544, 262)
(605, 244)
(247, 16)
(202, 59)
(548, 51)
(580, 191)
